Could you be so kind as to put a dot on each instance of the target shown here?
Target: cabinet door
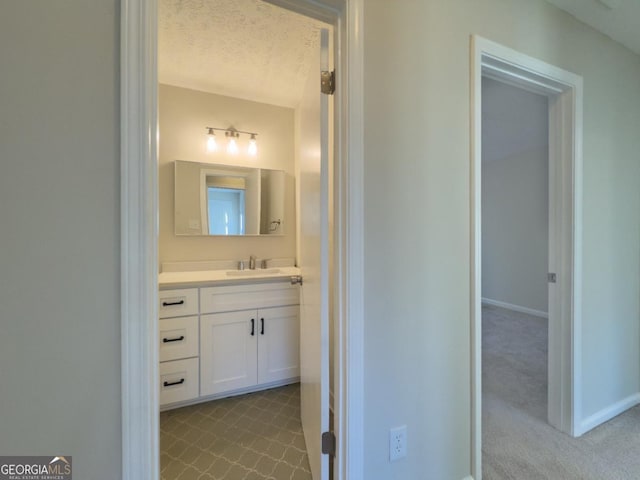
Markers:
(228, 351)
(278, 343)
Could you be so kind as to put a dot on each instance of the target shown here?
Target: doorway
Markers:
(515, 240)
(139, 189)
(241, 112)
(139, 261)
(564, 92)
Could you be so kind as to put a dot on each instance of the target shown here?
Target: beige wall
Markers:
(184, 114)
(60, 233)
(417, 217)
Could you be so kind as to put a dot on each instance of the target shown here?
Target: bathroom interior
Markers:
(240, 228)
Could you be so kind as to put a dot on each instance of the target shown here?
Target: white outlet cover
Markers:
(397, 443)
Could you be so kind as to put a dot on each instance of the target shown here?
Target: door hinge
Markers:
(329, 444)
(551, 277)
(296, 280)
(328, 82)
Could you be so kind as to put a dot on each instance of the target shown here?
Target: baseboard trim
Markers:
(515, 308)
(229, 394)
(608, 413)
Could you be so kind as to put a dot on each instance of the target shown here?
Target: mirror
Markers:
(225, 200)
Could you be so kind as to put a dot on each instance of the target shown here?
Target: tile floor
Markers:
(251, 437)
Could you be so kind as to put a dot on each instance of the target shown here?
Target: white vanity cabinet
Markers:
(227, 339)
(247, 340)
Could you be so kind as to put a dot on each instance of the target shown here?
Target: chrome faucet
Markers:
(252, 262)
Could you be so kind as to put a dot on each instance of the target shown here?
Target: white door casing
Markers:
(139, 233)
(565, 92)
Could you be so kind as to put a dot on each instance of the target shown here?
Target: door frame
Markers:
(565, 92)
(139, 234)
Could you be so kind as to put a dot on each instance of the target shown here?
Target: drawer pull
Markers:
(169, 384)
(253, 327)
(262, 326)
(167, 340)
(171, 304)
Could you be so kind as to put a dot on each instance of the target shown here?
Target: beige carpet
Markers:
(251, 437)
(518, 443)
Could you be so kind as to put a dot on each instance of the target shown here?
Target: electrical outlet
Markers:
(397, 443)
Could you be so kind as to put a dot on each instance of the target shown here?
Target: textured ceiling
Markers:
(240, 48)
(619, 19)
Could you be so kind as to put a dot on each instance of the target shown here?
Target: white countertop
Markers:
(176, 279)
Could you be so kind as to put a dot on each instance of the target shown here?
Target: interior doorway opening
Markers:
(564, 93)
(515, 244)
(254, 332)
(139, 258)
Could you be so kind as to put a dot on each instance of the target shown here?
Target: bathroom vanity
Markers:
(226, 332)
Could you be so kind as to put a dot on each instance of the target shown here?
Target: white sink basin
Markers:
(253, 273)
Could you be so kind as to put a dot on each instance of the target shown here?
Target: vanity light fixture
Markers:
(212, 145)
(232, 135)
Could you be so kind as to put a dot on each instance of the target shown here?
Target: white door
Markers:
(314, 262)
(278, 344)
(228, 351)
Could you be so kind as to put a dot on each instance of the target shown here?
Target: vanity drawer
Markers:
(244, 297)
(178, 303)
(179, 381)
(178, 338)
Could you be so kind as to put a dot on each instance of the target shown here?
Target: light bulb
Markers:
(232, 145)
(253, 145)
(212, 145)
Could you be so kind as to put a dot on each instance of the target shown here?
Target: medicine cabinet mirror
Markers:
(212, 199)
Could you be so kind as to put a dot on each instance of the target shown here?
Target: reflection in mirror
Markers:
(213, 199)
(225, 205)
